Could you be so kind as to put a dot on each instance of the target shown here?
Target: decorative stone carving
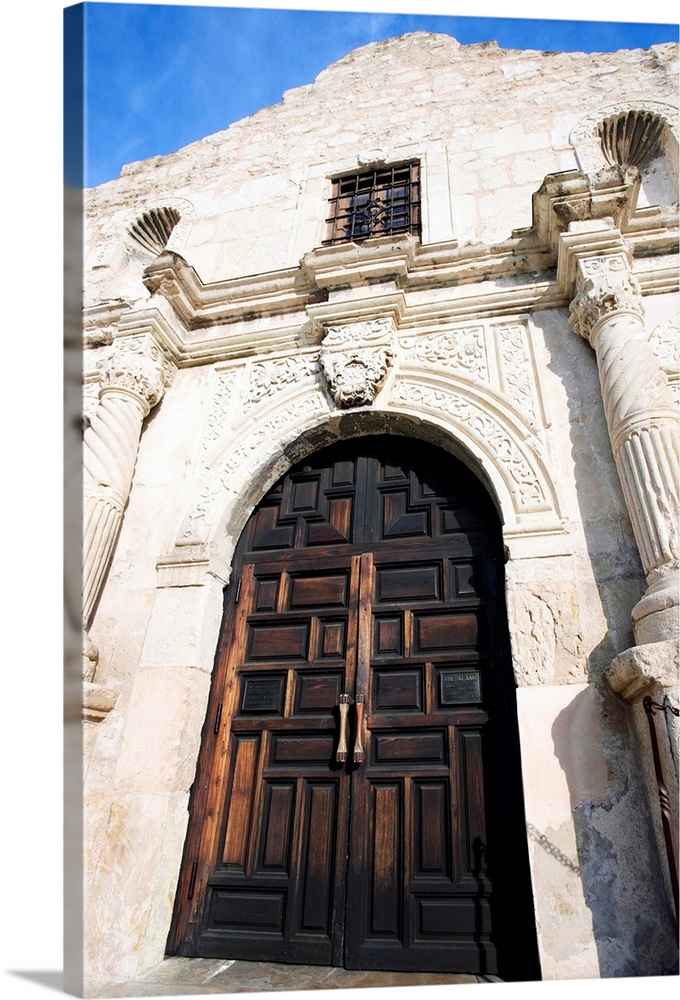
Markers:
(355, 372)
(642, 422)
(458, 349)
(372, 331)
(355, 377)
(605, 286)
(515, 367)
(153, 229)
(525, 484)
(132, 380)
(267, 377)
(587, 136)
(235, 470)
(220, 403)
(138, 366)
(665, 342)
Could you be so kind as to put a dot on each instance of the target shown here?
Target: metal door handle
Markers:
(359, 754)
(345, 702)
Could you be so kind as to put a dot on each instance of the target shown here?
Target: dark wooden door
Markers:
(366, 596)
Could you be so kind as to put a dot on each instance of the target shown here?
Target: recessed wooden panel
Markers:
(266, 592)
(410, 749)
(244, 910)
(305, 496)
(431, 826)
(332, 638)
(472, 767)
(311, 748)
(398, 690)
(272, 641)
(440, 632)
(408, 583)
(267, 533)
(244, 764)
(318, 692)
(343, 473)
(386, 869)
(262, 695)
(452, 917)
(459, 687)
(327, 590)
(338, 526)
(317, 873)
(400, 522)
(387, 640)
(277, 825)
(465, 579)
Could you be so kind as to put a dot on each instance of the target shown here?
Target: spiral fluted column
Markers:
(643, 428)
(131, 383)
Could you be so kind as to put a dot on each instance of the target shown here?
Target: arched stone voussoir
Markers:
(502, 445)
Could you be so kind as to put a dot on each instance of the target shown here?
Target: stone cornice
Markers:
(286, 310)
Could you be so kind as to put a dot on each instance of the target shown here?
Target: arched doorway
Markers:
(358, 798)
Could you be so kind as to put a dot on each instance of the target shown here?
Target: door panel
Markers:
(369, 572)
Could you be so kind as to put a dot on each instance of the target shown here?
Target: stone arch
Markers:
(641, 134)
(468, 421)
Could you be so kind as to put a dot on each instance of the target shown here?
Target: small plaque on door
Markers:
(262, 694)
(460, 687)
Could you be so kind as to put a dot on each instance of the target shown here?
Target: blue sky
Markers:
(160, 76)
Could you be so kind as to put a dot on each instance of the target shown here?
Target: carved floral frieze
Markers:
(220, 404)
(462, 349)
(268, 377)
(515, 367)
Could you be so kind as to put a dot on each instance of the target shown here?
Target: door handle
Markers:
(345, 702)
(359, 754)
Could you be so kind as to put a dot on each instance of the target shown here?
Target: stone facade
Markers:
(531, 330)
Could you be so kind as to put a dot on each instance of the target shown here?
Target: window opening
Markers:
(375, 203)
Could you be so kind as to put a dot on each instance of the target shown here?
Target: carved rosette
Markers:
(132, 380)
(642, 421)
(355, 360)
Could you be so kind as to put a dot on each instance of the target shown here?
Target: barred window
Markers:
(375, 203)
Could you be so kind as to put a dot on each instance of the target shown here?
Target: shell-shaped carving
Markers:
(631, 137)
(152, 230)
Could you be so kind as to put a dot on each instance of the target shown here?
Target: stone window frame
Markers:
(375, 184)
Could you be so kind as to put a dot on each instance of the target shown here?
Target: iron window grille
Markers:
(375, 203)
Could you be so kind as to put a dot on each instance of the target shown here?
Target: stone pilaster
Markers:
(642, 421)
(132, 381)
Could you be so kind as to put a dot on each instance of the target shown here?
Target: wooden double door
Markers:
(358, 799)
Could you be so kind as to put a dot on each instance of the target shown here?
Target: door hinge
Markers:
(238, 592)
(218, 719)
(192, 880)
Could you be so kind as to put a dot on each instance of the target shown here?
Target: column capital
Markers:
(136, 365)
(596, 238)
(605, 287)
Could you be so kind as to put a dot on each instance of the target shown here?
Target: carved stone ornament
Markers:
(354, 377)
(372, 331)
(137, 365)
(605, 286)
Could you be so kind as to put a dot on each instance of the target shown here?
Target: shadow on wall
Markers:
(613, 838)
(611, 547)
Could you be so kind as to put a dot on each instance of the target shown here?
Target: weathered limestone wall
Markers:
(484, 364)
(488, 125)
